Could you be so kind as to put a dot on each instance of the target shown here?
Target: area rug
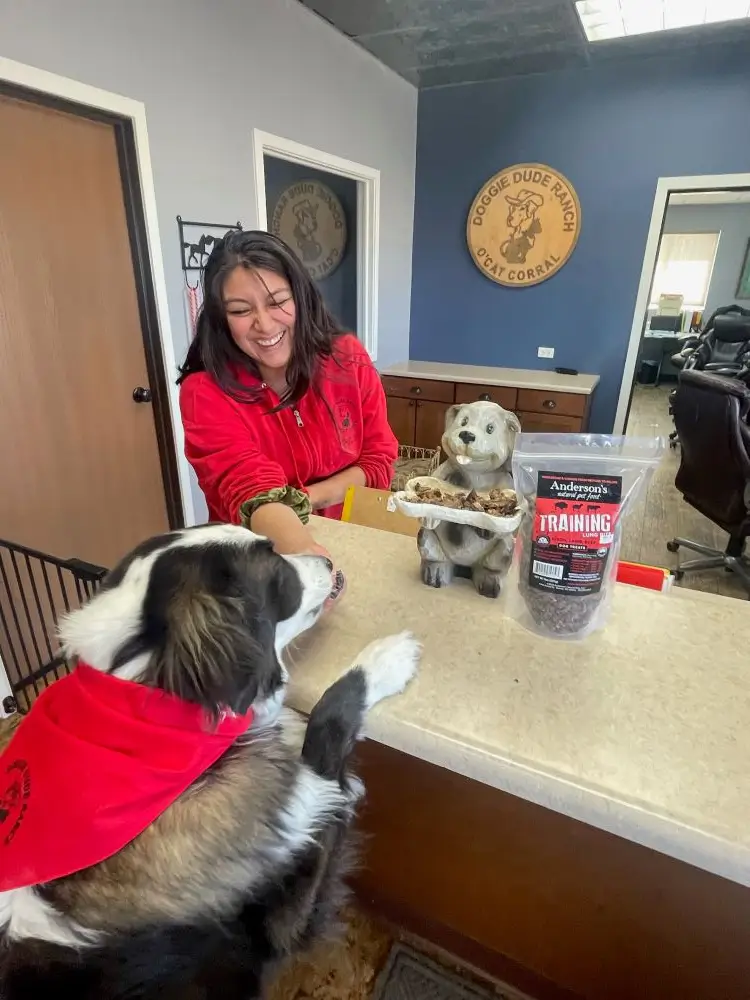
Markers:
(407, 975)
(345, 969)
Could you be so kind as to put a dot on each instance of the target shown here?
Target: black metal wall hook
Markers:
(197, 244)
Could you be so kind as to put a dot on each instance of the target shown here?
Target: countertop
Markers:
(642, 730)
(521, 378)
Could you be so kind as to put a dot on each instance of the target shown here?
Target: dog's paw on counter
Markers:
(389, 665)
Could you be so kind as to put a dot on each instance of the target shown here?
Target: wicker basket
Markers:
(413, 462)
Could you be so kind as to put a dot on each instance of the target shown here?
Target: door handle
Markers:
(142, 395)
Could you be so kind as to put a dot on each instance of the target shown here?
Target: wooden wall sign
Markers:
(523, 225)
(310, 218)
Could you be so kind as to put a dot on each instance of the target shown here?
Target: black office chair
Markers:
(712, 417)
(722, 347)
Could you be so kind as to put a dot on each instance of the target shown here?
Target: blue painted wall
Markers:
(340, 288)
(613, 131)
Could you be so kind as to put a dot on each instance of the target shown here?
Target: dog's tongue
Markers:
(463, 459)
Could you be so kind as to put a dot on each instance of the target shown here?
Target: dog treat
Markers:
(338, 585)
(497, 503)
(577, 489)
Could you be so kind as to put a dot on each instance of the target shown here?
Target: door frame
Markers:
(664, 187)
(128, 118)
(368, 217)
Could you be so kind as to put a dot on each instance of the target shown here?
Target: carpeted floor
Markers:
(374, 962)
(342, 970)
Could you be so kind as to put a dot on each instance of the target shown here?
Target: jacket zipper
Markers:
(297, 417)
(282, 422)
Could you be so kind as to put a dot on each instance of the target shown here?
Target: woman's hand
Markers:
(332, 491)
(289, 535)
(280, 523)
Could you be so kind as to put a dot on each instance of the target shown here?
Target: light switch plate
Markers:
(545, 352)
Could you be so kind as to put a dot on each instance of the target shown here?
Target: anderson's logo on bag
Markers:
(310, 218)
(573, 532)
(523, 225)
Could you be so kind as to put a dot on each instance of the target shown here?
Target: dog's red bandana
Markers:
(92, 765)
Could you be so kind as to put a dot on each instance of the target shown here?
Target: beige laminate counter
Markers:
(519, 378)
(642, 730)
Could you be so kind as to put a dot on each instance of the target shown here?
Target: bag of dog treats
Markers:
(578, 489)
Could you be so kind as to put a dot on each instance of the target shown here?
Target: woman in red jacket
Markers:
(282, 410)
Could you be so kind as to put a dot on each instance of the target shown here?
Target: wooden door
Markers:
(80, 459)
(430, 423)
(401, 416)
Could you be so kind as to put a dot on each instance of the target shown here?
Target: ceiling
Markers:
(434, 43)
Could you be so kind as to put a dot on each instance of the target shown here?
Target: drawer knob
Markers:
(485, 397)
(416, 389)
(549, 404)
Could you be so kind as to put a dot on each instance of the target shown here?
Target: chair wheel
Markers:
(678, 574)
(673, 547)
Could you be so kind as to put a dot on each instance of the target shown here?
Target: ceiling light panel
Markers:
(606, 19)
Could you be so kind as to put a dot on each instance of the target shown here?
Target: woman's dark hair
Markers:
(214, 351)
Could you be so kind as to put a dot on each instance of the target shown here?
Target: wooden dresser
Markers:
(419, 392)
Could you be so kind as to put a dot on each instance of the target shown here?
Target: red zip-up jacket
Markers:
(240, 450)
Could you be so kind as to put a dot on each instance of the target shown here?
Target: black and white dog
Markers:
(246, 866)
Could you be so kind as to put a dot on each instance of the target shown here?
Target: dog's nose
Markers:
(467, 437)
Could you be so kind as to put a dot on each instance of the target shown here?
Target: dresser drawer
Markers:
(503, 395)
(418, 388)
(549, 423)
(568, 404)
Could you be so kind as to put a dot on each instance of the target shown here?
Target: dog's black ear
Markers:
(218, 651)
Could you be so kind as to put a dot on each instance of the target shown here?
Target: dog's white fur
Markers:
(97, 631)
(24, 914)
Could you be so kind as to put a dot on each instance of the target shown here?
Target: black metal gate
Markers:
(35, 590)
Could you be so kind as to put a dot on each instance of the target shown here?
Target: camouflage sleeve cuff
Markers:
(298, 500)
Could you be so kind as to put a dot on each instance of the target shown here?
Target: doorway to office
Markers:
(695, 253)
(697, 260)
(328, 210)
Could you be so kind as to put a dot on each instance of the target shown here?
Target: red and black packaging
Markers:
(574, 528)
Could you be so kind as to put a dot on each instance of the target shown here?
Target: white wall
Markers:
(208, 72)
(732, 222)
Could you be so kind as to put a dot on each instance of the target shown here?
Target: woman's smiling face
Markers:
(260, 314)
